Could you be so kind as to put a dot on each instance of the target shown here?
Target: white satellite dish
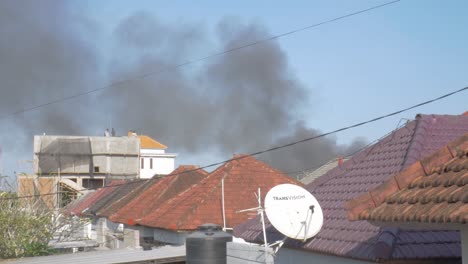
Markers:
(293, 211)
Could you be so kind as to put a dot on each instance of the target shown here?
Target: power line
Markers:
(350, 154)
(281, 146)
(189, 62)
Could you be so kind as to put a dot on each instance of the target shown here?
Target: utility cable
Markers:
(189, 62)
(279, 146)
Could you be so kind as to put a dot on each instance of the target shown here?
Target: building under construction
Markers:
(68, 165)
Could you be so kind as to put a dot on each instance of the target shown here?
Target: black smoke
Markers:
(237, 102)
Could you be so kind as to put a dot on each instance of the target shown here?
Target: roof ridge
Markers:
(221, 170)
(356, 158)
(418, 135)
(386, 242)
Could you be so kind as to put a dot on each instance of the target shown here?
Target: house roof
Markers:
(365, 171)
(147, 142)
(115, 198)
(71, 208)
(81, 207)
(433, 191)
(202, 204)
(311, 175)
(156, 192)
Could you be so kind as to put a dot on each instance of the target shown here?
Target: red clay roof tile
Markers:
(158, 191)
(434, 195)
(202, 202)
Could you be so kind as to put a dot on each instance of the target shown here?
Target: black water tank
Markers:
(207, 245)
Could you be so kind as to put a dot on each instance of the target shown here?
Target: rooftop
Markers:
(81, 206)
(166, 254)
(116, 198)
(156, 192)
(433, 190)
(201, 203)
(146, 142)
(365, 171)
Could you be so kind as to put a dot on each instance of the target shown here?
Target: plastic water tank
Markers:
(207, 245)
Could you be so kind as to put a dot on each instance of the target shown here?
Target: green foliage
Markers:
(25, 227)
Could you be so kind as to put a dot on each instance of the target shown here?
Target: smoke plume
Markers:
(237, 102)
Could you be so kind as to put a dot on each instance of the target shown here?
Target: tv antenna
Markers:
(292, 210)
(260, 211)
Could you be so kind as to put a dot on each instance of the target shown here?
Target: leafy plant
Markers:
(26, 227)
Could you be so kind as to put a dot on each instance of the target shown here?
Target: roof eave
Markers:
(420, 226)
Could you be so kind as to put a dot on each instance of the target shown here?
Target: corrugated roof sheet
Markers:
(433, 190)
(114, 198)
(80, 208)
(156, 192)
(363, 172)
(202, 202)
(72, 206)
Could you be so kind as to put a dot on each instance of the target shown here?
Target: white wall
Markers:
(163, 164)
(149, 152)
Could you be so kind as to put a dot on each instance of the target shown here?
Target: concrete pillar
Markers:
(101, 231)
(79, 181)
(131, 237)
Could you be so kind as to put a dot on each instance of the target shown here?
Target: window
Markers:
(93, 183)
(96, 169)
(151, 164)
(142, 163)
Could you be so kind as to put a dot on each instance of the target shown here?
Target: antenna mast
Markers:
(260, 210)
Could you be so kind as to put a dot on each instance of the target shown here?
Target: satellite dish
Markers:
(293, 211)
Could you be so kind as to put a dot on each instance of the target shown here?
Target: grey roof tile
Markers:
(363, 172)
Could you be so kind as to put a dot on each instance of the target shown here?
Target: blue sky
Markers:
(354, 69)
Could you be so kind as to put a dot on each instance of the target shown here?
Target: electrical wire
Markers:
(292, 173)
(276, 147)
(189, 62)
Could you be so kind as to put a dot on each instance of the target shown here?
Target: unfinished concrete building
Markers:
(76, 163)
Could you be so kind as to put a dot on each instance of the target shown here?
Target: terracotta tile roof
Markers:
(202, 202)
(364, 172)
(156, 192)
(80, 208)
(433, 190)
